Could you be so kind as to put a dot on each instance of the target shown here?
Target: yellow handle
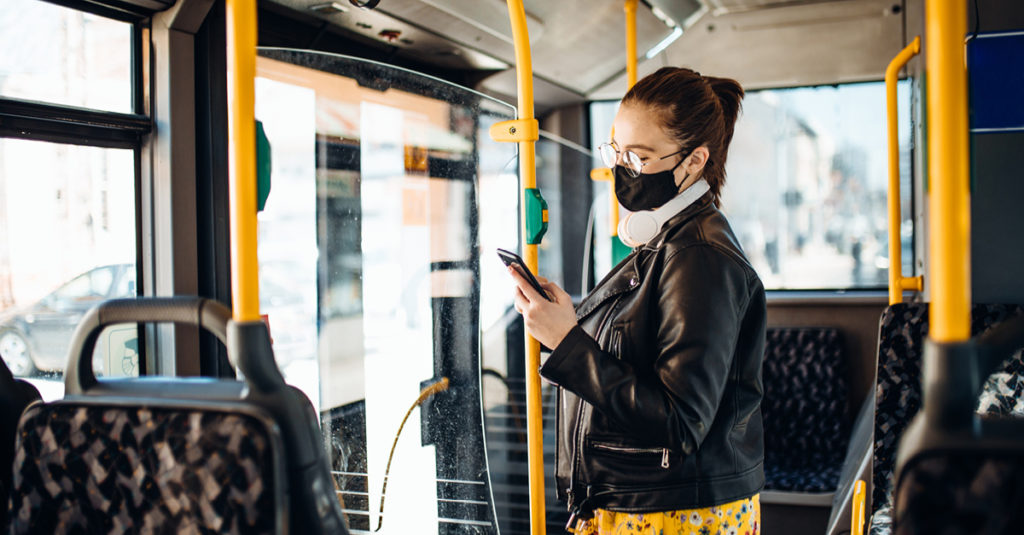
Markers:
(630, 8)
(859, 506)
(528, 167)
(241, 41)
(897, 282)
(949, 196)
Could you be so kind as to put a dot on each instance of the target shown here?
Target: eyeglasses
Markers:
(630, 160)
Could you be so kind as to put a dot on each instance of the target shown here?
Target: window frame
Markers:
(69, 125)
(842, 293)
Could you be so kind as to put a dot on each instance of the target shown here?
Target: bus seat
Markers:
(15, 395)
(902, 332)
(960, 467)
(193, 455)
(805, 414)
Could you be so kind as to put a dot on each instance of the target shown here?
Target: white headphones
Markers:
(637, 228)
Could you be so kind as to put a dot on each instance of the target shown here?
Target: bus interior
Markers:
(379, 181)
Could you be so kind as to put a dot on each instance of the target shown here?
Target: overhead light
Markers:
(656, 49)
(328, 8)
(676, 11)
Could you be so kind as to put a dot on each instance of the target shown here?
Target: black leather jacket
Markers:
(659, 405)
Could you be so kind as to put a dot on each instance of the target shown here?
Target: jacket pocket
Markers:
(631, 454)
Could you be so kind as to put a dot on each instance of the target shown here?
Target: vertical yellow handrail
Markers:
(897, 282)
(603, 174)
(528, 168)
(241, 43)
(949, 191)
(630, 8)
(859, 507)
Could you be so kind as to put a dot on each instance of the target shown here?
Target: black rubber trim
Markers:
(127, 11)
(65, 124)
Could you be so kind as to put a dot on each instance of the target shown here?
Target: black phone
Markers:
(510, 259)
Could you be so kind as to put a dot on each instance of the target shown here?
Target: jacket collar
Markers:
(627, 276)
(680, 219)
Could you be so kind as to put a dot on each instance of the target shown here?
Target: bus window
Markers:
(806, 184)
(62, 56)
(67, 242)
(387, 202)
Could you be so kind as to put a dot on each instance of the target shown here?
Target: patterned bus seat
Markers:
(804, 409)
(902, 332)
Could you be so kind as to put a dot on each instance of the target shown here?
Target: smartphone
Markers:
(512, 259)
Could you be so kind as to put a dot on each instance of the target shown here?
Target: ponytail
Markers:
(696, 110)
(729, 94)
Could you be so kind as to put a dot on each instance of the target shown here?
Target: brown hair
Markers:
(696, 110)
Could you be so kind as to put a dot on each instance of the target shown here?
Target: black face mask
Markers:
(645, 191)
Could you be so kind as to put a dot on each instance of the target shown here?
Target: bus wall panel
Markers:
(997, 247)
(997, 250)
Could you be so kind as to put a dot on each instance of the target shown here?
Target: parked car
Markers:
(35, 338)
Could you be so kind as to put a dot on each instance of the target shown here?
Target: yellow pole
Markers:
(949, 192)
(859, 505)
(892, 74)
(241, 41)
(528, 168)
(630, 8)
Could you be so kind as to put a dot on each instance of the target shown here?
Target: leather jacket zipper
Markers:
(665, 453)
(577, 435)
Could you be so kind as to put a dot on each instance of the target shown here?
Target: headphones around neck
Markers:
(638, 228)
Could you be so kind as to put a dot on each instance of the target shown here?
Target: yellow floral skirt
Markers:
(741, 517)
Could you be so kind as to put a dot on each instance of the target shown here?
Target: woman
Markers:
(659, 367)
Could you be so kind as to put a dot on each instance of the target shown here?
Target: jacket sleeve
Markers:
(701, 294)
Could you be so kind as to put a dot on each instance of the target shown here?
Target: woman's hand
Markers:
(547, 321)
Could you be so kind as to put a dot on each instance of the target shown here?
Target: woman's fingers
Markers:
(524, 286)
(520, 300)
(555, 291)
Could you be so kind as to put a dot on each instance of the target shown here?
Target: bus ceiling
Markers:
(579, 51)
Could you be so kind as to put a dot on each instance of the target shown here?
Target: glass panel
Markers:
(59, 55)
(562, 174)
(377, 273)
(806, 185)
(67, 242)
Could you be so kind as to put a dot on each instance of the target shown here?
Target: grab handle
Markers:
(897, 282)
(255, 359)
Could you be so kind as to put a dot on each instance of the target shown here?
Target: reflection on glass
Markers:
(67, 243)
(806, 184)
(60, 55)
(387, 202)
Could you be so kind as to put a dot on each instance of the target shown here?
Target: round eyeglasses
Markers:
(630, 160)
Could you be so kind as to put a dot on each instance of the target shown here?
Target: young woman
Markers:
(659, 368)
